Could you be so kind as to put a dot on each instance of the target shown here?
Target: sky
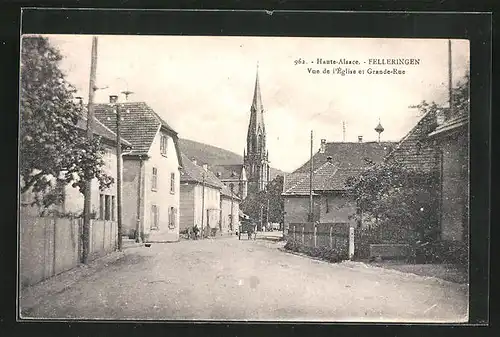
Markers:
(203, 86)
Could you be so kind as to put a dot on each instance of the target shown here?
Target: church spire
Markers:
(256, 155)
(256, 127)
(257, 100)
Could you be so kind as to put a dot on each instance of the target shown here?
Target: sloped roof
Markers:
(350, 155)
(328, 177)
(226, 171)
(414, 151)
(140, 124)
(451, 124)
(346, 160)
(225, 191)
(194, 173)
(101, 130)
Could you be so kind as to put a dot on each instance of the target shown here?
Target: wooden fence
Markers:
(328, 235)
(51, 245)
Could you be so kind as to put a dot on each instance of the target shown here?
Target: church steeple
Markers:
(257, 99)
(256, 155)
(256, 125)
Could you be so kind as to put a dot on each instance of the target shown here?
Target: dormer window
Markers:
(163, 145)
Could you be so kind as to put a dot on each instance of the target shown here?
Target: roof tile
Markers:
(194, 173)
(140, 123)
(414, 151)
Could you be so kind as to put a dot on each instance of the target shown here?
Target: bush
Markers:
(324, 253)
(452, 252)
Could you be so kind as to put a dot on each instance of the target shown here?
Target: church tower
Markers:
(256, 161)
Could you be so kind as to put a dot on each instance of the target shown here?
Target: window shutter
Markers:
(113, 208)
(107, 207)
(101, 206)
(155, 217)
(151, 226)
(154, 182)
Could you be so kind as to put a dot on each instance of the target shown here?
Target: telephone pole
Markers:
(202, 204)
(311, 182)
(119, 174)
(261, 216)
(90, 135)
(231, 185)
(450, 79)
(267, 215)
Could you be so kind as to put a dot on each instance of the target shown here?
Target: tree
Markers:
(397, 203)
(52, 147)
(253, 203)
(251, 206)
(402, 201)
(276, 200)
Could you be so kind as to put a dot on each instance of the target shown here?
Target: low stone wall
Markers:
(390, 251)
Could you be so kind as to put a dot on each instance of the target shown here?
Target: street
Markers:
(229, 279)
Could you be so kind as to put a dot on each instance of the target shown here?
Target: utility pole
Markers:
(450, 82)
(202, 204)
(261, 216)
(232, 212)
(267, 213)
(311, 182)
(90, 135)
(119, 173)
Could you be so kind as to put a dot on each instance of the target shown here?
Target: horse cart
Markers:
(249, 228)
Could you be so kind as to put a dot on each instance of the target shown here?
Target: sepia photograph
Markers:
(243, 178)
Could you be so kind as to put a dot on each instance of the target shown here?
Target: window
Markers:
(154, 182)
(163, 145)
(155, 217)
(107, 207)
(172, 182)
(172, 214)
(327, 205)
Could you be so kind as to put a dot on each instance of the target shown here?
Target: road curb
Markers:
(308, 256)
(357, 264)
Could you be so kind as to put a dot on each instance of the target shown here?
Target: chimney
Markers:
(329, 159)
(205, 167)
(360, 139)
(113, 99)
(323, 146)
(194, 161)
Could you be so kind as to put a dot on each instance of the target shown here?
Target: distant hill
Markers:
(213, 155)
